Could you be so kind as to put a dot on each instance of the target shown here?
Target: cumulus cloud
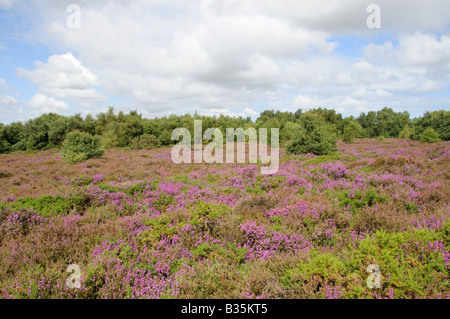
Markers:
(418, 63)
(383, 93)
(64, 77)
(424, 49)
(349, 16)
(202, 53)
(7, 101)
(9, 105)
(229, 55)
(41, 103)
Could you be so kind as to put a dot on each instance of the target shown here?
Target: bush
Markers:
(430, 136)
(348, 137)
(319, 141)
(351, 131)
(145, 141)
(4, 146)
(47, 205)
(405, 133)
(79, 146)
(19, 146)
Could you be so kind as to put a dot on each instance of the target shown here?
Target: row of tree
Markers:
(313, 131)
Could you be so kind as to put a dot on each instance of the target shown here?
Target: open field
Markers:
(140, 226)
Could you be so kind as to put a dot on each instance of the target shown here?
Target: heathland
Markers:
(140, 226)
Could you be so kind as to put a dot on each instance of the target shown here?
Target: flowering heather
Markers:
(263, 243)
(140, 226)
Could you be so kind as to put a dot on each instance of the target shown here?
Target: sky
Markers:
(237, 58)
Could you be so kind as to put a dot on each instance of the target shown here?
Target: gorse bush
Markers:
(430, 136)
(79, 146)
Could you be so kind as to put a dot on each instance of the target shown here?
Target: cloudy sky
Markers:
(222, 56)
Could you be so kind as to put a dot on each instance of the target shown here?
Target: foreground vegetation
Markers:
(140, 226)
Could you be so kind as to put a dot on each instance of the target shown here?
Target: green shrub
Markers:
(19, 146)
(430, 136)
(413, 271)
(115, 135)
(79, 146)
(357, 199)
(351, 131)
(47, 205)
(81, 181)
(165, 138)
(321, 140)
(381, 138)
(405, 133)
(159, 228)
(4, 146)
(348, 136)
(411, 207)
(145, 141)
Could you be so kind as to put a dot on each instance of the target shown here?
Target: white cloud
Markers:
(307, 102)
(419, 63)
(6, 4)
(41, 103)
(383, 93)
(9, 105)
(424, 49)
(232, 56)
(360, 94)
(3, 84)
(201, 56)
(350, 16)
(350, 101)
(7, 101)
(64, 77)
(249, 111)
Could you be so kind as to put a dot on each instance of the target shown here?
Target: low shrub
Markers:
(48, 205)
(79, 146)
(357, 199)
(430, 136)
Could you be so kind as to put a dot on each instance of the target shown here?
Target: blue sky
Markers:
(225, 56)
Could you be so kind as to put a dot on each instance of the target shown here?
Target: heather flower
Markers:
(332, 292)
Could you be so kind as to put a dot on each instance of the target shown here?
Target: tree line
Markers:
(314, 131)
